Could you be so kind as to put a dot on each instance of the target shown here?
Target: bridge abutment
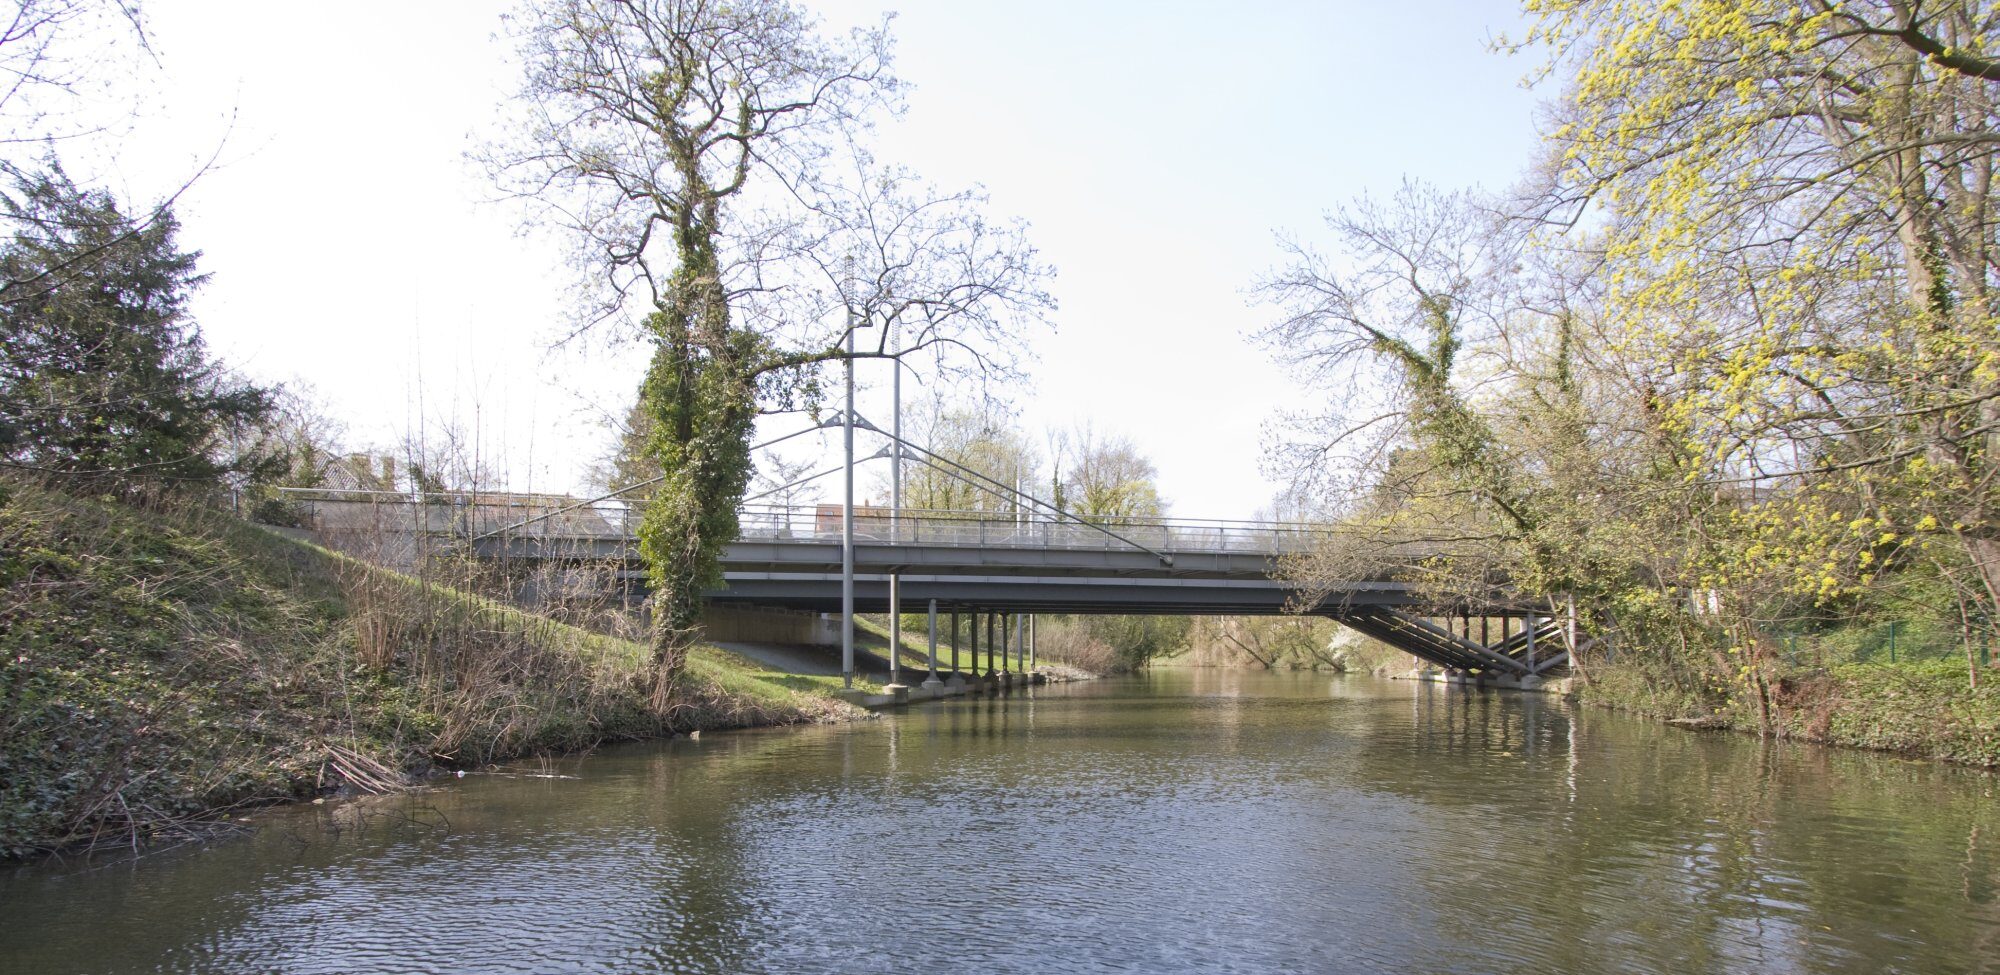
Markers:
(756, 624)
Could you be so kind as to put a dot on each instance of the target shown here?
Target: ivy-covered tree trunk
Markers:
(642, 120)
(700, 394)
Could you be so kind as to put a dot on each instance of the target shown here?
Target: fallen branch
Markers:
(363, 773)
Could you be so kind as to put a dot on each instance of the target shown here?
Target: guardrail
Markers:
(1004, 529)
(472, 514)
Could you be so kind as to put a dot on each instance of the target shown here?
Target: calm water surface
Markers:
(1183, 821)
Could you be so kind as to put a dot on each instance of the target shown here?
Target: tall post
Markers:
(896, 452)
(954, 641)
(972, 633)
(1034, 662)
(847, 527)
(989, 646)
(895, 520)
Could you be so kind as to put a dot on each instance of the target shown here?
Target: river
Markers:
(1185, 820)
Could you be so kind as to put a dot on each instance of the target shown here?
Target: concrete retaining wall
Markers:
(729, 623)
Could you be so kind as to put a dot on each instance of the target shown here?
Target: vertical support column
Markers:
(895, 630)
(1034, 663)
(1011, 626)
(1006, 642)
(990, 672)
(1021, 645)
(932, 681)
(1529, 623)
(973, 627)
(954, 643)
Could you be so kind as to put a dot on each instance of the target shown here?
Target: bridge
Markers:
(1008, 564)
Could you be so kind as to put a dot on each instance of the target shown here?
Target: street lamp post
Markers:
(895, 518)
(847, 526)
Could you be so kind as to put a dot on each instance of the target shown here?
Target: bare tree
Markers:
(58, 55)
(684, 145)
(1104, 476)
(979, 436)
(915, 271)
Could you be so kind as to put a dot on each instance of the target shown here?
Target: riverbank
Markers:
(159, 668)
(1923, 709)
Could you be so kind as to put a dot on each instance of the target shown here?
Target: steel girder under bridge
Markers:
(789, 557)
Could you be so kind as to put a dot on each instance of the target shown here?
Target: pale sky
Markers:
(1154, 148)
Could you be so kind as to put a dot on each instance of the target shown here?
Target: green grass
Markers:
(735, 667)
(873, 632)
(157, 667)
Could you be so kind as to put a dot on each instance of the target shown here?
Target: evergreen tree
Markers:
(103, 373)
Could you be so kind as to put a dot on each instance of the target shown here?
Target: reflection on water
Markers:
(1193, 820)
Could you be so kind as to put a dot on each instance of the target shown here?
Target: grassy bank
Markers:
(1924, 708)
(157, 667)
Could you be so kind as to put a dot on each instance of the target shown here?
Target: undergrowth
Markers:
(1926, 708)
(158, 667)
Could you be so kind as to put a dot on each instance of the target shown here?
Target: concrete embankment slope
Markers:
(810, 660)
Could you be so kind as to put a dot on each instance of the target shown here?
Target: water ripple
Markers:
(1187, 822)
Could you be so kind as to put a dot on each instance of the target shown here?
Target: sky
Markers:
(1155, 149)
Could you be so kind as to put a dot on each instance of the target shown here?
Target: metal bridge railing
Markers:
(471, 514)
(1006, 529)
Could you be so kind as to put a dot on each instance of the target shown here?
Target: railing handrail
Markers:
(917, 525)
(1032, 517)
(524, 499)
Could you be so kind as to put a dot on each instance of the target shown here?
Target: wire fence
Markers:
(1893, 642)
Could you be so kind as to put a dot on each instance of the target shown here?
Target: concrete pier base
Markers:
(943, 686)
(1506, 682)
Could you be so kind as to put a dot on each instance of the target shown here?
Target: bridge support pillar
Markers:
(1021, 646)
(932, 681)
(956, 673)
(895, 630)
(1006, 647)
(1034, 663)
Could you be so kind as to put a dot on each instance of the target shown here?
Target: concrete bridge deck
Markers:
(791, 557)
